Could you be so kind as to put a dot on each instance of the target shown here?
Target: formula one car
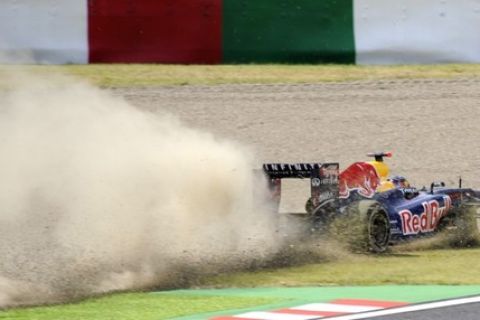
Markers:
(382, 209)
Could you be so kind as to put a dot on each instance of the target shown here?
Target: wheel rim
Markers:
(379, 230)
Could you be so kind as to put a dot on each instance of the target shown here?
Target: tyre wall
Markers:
(239, 31)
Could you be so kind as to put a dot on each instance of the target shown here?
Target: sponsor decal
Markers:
(316, 182)
(325, 184)
(329, 171)
(455, 196)
(361, 177)
(329, 181)
(328, 175)
(365, 188)
(326, 196)
(428, 220)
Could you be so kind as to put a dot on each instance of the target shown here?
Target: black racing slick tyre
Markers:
(365, 227)
(378, 229)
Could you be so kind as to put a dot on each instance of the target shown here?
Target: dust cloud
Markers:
(97, 196)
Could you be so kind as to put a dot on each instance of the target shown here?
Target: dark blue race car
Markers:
(380, 209)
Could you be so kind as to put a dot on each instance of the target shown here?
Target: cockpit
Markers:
(371, 177)
(388, 183)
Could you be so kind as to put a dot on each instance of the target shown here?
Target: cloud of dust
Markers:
(96, 196)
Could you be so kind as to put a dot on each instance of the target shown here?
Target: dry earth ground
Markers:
(432, 126)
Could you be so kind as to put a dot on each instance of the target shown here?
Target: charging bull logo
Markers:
(361, 177)
(428, 220)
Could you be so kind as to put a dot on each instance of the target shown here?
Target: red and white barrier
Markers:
(187, 31)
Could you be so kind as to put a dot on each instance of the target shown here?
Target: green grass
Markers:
(424, 267)
(409, 267)
(454, 267)
(122, 75)
(135, 306)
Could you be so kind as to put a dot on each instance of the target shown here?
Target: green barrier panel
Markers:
(293, 31)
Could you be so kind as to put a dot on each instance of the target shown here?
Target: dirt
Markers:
(432, 126)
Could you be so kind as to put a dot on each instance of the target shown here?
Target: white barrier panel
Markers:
(43, 31)
(416, 31)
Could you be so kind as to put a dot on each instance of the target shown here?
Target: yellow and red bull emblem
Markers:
(360, 176)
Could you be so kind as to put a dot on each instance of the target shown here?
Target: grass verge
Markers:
(133, 306)
(423, 267)
(402, 268)
(128, 75)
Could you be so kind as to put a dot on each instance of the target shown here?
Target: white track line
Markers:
(275, 316)
(332, 307)
(411, 308)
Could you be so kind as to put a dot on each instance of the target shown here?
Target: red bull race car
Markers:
(383, 209)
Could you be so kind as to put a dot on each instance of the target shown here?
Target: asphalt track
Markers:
(461, 312)
(462, 308)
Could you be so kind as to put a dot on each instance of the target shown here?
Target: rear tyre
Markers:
(365, 227)
(378, 229)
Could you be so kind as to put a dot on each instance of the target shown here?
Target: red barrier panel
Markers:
(163, 31)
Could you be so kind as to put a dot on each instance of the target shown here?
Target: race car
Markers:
(382, 209)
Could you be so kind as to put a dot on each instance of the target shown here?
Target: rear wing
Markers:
(324, 179)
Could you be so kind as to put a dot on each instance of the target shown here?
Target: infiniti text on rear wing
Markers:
(323, 179)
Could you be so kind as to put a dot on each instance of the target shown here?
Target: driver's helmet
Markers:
(400, 182)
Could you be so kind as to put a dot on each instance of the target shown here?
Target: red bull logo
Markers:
(360, 176)
(428, 220)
